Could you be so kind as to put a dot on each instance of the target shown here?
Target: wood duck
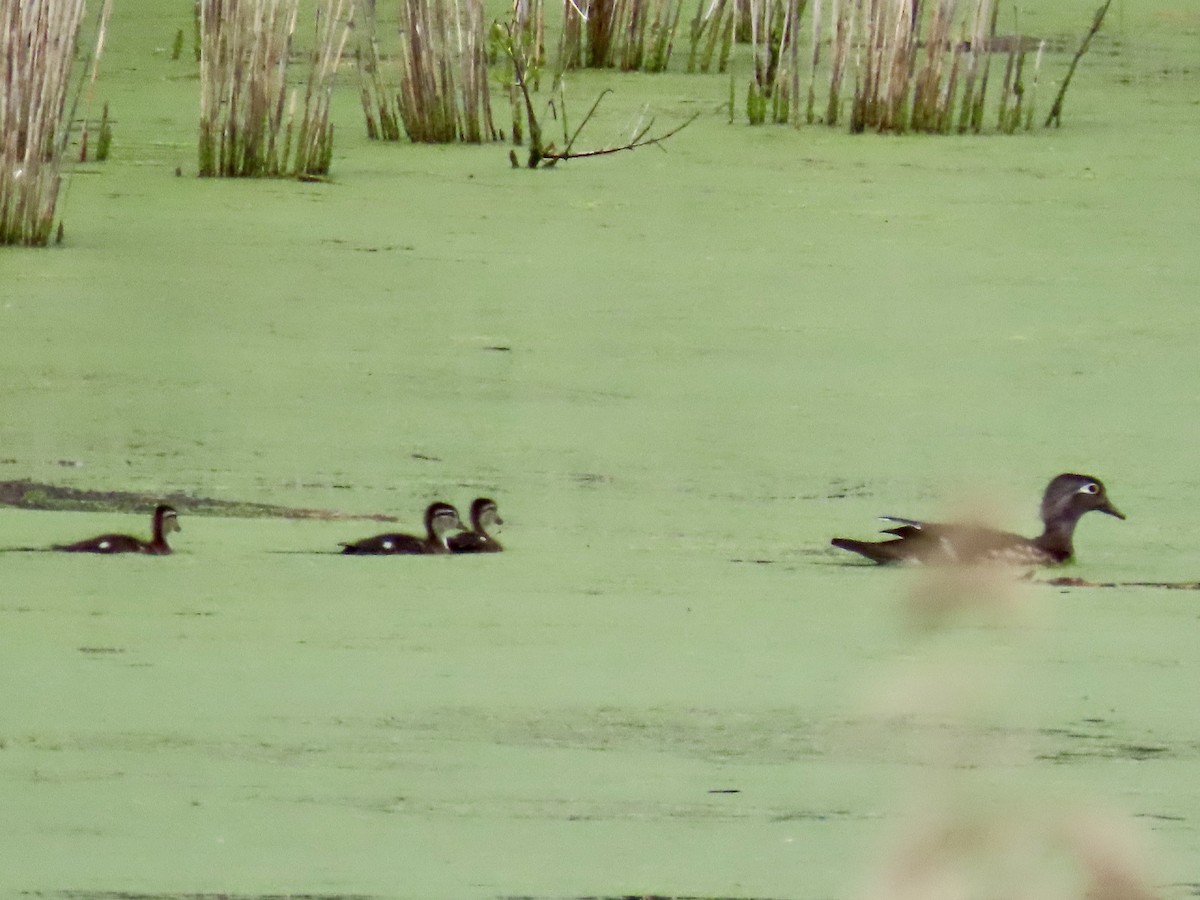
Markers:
(165, 520)
(1067, 498)
(440, 520)
(484, 515)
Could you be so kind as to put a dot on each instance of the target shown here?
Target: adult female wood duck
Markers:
(165, 521)
(1067, 498)
(440, 520)
(484, 515)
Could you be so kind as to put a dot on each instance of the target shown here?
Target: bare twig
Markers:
(571, 141)
(639, 140)
(1055, 115)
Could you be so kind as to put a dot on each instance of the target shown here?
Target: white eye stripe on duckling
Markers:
(387, 545)
(1090, 488)
(104, 545)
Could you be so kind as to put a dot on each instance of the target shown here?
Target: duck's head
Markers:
(1069, 496)
(166, 518)
(441, 518)
(485, 514)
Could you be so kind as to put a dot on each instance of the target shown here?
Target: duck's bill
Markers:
(1111, 510)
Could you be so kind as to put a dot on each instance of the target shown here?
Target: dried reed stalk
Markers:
(661, 40)
(244, 47)
(570, 38)
(712, 26)
(795, 14)
(37, 47)
(477, 125)
(598, 26)
(774, 42)
(443, 89)
(105, 137)
(928, 98)
(248, 124)
(375, 91)
(632, 35)
(947, 95)
(920, 65)
(1012, 89)
(904, 82)
(427, 89)
(842, 16)
(984, 26)
(314, 146)
(886, 66)
(809, 114)
(530, 19)
(1055, 115)
(431, 80)
(1037, 72)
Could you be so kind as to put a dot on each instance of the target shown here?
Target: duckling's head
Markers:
(1069, 496)
(441, 518)
(168, 517)
(485, 514)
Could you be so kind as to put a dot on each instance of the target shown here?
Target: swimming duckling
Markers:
(484, 515)
(1067, 498)
(440, 520)
(165, 520)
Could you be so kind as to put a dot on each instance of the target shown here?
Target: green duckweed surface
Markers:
(680, 373)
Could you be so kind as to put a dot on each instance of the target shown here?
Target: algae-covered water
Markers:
(680, 373)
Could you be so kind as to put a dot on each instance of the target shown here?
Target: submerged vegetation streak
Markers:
(25, 494)
(188, 895)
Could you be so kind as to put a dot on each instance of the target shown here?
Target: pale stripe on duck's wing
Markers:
(915, 523)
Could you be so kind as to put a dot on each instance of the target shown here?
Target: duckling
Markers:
(484, 515)
(1067, 498)
(440, 520)
(165, 521)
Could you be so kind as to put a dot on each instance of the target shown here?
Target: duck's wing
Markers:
(905, 528)
(937, 543)
(385, 544)
(915, 523)
(915, 542)
(940, 543)
(903, 531)
(882, 552)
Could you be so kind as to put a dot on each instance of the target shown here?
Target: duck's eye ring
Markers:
(1090, 488)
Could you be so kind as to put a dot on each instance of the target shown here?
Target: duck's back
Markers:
(474, 542)
(931, 543)
(108, 543)
(385, 544)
